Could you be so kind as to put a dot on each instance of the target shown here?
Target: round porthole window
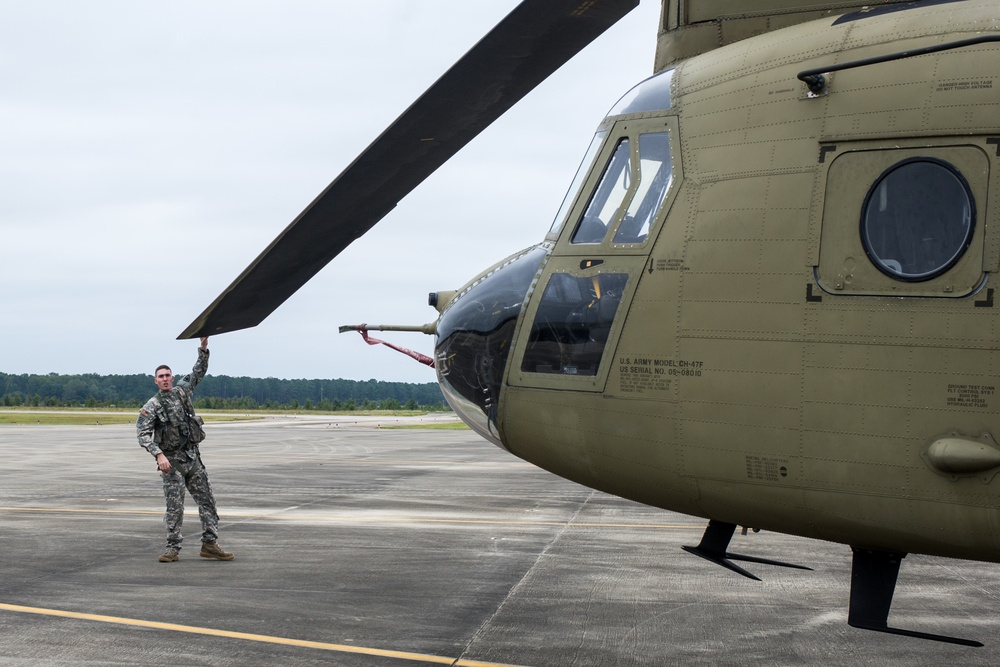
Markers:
(917, 219)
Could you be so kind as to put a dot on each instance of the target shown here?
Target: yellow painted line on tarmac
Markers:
(283, 515)
(339, 648)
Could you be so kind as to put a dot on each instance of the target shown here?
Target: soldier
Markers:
(169, 430)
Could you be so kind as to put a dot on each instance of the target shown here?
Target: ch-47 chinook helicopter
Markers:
(766, 299)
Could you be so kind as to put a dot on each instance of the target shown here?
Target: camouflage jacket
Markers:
(162, 425)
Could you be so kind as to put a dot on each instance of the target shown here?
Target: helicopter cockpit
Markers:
(615, 199)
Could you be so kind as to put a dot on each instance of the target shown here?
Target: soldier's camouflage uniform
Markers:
(163, 426)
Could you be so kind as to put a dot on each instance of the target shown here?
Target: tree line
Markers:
(219, 392)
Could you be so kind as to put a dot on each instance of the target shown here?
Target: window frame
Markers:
(842, 265)
(630, 266)
(615, 130)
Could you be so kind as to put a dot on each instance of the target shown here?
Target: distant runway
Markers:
(368, 547)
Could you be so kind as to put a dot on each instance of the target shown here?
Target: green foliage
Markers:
(220, 392)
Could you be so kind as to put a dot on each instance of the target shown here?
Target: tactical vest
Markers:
(171, 435)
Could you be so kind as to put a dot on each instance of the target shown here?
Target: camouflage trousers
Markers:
(190, 474)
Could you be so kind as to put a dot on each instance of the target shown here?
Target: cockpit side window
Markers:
(607, 199)
(654, 181)
(573, 323)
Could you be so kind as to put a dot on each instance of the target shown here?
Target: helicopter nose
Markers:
(475, 334)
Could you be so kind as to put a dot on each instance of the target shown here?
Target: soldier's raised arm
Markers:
(191, 380)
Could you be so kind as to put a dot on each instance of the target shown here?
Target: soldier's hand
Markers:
(204, 342)
(162, 463)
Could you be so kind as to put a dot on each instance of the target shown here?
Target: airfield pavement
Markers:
(368, 547)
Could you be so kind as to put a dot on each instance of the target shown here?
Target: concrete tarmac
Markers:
(361, 546)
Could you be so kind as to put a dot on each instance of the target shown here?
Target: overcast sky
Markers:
(150, 150)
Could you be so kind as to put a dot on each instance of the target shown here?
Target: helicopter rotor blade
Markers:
(528, 45)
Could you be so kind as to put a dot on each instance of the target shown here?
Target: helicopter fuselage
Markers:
(766, 302)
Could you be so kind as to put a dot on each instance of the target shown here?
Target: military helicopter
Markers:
(766, 299)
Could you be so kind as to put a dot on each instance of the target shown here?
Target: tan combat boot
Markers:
(213, 550)
(170, 556)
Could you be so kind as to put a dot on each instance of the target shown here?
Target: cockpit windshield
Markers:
(614, 186)
(653, 94)
(581, 176)
(654, 181)
(630, 192)
(636, 179)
